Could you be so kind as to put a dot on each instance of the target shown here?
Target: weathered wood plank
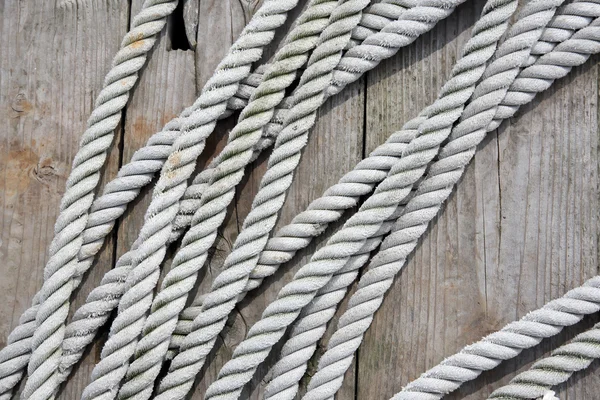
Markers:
(520, 229)
(53, 57)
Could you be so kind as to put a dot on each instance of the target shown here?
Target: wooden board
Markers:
(521, 229)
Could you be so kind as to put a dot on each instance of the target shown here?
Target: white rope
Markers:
(53, 298)
(376, 210)
(151, 243)
(283, 162)
(109, 207)
(432, 192)
(505, 344)
(417, 22)
(121, 191)
(551, 371)
(311, 325)
(290, 124)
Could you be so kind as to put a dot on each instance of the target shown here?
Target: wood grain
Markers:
(521, 228)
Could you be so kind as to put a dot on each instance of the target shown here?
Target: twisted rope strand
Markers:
(53, 298)
(306, 332)
(302, 42)
(284, 160)
(226, 287)
(122, 190)
(506, 343)
(432, 192)
(108, 208)
(551, 371)
(418, 25)
(154, 234)
(374, 212)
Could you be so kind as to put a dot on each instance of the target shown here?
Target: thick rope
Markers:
(123, 189)
(53, 298)
(311, 326)
(424, 206)
(201, 236)
(88, 319)
(551, 371)
(505, 344)
(281, 250)
(374, 212)
(171, 299)
(154, 235)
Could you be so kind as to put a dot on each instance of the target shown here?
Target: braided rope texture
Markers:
(375, 211)
(424, 206)
(551, 371)
(51, 303)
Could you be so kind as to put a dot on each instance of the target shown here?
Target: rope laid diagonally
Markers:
(105, 211)
(310, 327)
(151, 243)
(52, 300)
(505, 344)
(443, 174)
(551, 371)
(374, 212)
(244, 137)
(180, 280)
(282, 249)
(121, 191)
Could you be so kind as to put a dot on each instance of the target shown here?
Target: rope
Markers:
(195, 245)
(121, 191)
(53, 298)
(574, 356)
(281, 250)
(425, 205)
(154, 235)
(104, 299)
(505, 344)
(312, 323)
(143, 262)
(378, 208)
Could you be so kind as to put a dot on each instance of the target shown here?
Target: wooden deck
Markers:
(521, 229)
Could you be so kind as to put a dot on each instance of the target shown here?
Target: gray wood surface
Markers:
(521, 229)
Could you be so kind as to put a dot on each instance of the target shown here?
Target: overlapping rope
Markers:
(374, 212)
(152, 242)
(411, 24)
(106, 209)
(443, 174)
(53, 299)
(137, 271)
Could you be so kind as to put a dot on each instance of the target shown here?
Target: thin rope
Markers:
(352, 237)
(53, 298)
(443, 174)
